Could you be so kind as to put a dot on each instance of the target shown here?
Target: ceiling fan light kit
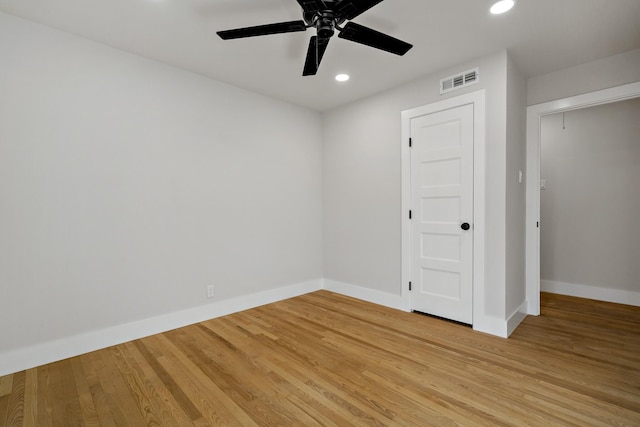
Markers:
(326, 16)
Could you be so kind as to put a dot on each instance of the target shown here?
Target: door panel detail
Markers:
(442, 197)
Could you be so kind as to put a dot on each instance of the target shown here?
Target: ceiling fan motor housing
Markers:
(325, 23)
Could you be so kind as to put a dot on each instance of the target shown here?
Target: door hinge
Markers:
(409, 213)
(410, 142)
(538, 224)
(409, 285)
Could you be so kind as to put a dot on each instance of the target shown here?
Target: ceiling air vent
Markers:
(459, 80)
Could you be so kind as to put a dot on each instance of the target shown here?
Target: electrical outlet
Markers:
(210, 292)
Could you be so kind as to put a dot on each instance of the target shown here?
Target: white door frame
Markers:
(534, 116)
(476, 98)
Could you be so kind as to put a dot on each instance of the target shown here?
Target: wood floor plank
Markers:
(30, 398)
(85, 399)
(13, 412)
(6, 384)
(324, 359)
(70, 395)
(92, 364)
(4, 406)
(46, 395)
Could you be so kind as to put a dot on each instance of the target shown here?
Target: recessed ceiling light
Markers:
(342, 77)
(502, 6)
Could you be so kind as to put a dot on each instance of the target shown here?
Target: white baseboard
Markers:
(592, 292)
(500, 327)
(491, 325)
(486, 324)
(366, 294)
(517, 317)
(29, 357)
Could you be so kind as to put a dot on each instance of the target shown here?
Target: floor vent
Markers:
(459, 80)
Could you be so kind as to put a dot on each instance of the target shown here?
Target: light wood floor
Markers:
(325, 359)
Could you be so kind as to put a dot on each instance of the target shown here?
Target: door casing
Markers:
(476, 98)
(534, 116)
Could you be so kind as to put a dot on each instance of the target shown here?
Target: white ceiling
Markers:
(541, 35)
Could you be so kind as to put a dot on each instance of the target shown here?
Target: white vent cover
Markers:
(460, 80)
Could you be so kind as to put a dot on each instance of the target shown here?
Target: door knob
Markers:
(465, 226)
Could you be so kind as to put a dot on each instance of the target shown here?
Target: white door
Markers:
(442, 213)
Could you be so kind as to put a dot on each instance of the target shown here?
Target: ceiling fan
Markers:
(326, 16)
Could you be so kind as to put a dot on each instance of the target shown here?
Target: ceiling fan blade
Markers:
(263, 30)
(364, 35)
(312, 6)
(349, 9)
(317, 47)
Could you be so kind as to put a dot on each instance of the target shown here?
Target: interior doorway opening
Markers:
(590, 202)
(535, 114)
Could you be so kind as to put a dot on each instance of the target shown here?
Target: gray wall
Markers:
(362, 187)
(127, 187)
(601, 74)
(590, 210)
